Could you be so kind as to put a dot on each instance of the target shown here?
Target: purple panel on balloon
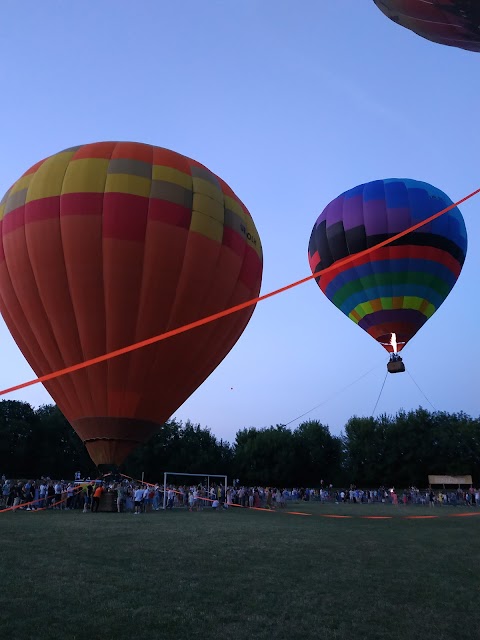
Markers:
(353, 212)
(333, 212)
(399, 316)
(375, 217)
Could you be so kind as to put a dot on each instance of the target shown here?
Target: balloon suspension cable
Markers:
(381, 389)
(333, 395)
(418, 387)
(244, 305)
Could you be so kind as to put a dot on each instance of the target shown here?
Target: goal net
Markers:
(180, 487)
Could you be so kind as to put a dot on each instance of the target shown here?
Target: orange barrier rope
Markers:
(149, 484)
(230, 504)
(238, 307)
(77, 490)
(273, 510)
(321, 515)
(23, 505)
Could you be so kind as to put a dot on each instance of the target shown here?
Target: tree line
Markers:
(400, 450)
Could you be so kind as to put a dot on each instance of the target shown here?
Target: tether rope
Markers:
(238, 307)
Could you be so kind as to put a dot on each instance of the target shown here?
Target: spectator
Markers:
(97, 494)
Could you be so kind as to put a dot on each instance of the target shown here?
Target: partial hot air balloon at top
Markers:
(392, 291)
(452, 22)
(110, 243)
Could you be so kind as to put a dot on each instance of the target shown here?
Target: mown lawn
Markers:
(240, 574)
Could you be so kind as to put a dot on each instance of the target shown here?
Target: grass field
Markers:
(240, 574)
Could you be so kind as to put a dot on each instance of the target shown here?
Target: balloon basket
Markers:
(395, 366)
(108, 502)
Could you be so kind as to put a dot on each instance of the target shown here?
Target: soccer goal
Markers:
(206, 477)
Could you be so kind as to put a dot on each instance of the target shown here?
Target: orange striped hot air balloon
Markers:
(110, 243)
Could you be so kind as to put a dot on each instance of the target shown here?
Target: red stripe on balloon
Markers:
(170, 213)
(125, 216)
(233, 241)
(388, 253)
(81, 204)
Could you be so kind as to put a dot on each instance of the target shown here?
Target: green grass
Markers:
(240, 574)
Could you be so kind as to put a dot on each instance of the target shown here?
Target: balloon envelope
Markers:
(452, 22)
(110, 243)
(397, 288)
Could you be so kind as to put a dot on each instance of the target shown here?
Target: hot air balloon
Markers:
(390, 292)
(452, 22)
(110, 243)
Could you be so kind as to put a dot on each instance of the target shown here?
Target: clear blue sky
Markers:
(291, 103)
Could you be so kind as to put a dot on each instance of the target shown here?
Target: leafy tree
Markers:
(265, 456)
(39, 442)
(183, 448)
(398, 450)
(403, 450)
(318, 454)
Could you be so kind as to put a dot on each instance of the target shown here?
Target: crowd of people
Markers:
(116, 494)
(412, 495)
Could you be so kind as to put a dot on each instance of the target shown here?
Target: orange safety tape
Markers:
(273, 510)
(321, 515)
(26, 504)
(230, 504)
(161, 488)
(238, 307)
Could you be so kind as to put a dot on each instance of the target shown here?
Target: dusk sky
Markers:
(291, 103)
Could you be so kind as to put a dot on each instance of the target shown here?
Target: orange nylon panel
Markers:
(45, 249)
(81, 237)
(95, 150)
(90, 273)
(108, 452)
(44, 346)
(23, 335)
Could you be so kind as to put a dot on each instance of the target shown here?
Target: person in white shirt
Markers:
(138, 498)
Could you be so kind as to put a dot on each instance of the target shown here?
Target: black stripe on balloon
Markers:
(425, 240)
(337, 241)
(340, 243)
(322, 244)
(312, 245)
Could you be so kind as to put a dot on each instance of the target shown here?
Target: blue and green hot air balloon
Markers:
(392, 291)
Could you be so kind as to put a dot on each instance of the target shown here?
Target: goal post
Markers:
(192, 475)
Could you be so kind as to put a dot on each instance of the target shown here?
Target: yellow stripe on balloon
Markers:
(22, 183)
(86, 176)
(410, 302)
(209, 207)
(207, 226)
(251, 236)
(126, 183)
(208, 189)
(48, 179)
(235, 206)
(353, 315)
(168, 174)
